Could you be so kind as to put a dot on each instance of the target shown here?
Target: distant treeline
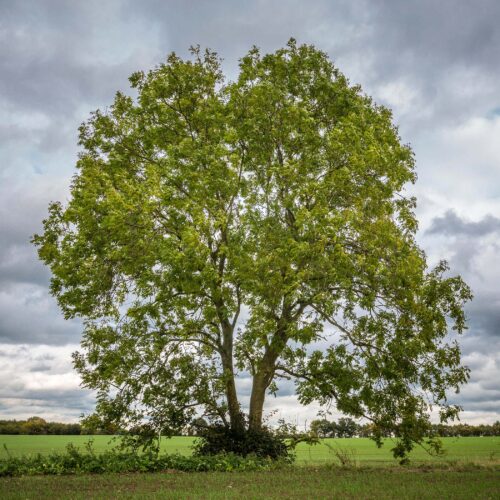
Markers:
(343, 428)
(346, 427)
(37, 425)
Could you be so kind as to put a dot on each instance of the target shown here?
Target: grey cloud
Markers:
(40, 368)
(483, 407)
(29, 315)
(442, 51)
(23, 205)
(484, 314)
(458, 32)
(451, 224)
(19, 264)
(285, 387)
(473, 248)
(61, 56)
(490, 384)
(483, 397)
(51, 404)
(244, 385)
(52, 59)
(482, 393)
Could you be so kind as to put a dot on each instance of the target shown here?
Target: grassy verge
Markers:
(464, 482)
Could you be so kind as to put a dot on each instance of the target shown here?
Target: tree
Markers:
(323, 428)
(346, 428)
(35, 425)
(280, 196)
(195, 426)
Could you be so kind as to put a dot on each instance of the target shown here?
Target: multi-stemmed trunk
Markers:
(261, 381)
(262, 377)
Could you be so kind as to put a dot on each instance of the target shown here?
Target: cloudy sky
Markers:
(434, 63)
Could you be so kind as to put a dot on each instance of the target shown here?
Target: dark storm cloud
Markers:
(58, 55)
(40, 368)
(62, 404)
(18, 262)
(27, 312)
(442, 50)
(474, 247)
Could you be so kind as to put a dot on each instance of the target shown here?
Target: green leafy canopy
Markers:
(255, 226)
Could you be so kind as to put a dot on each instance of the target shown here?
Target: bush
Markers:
(217, 439)
(73, 461)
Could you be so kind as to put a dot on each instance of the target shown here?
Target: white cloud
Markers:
(459, 167)
(40, 380)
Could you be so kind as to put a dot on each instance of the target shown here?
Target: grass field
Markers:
(362, 450)
(470, 469)
(299, 482)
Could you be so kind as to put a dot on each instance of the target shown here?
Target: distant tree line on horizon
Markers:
(323, 428)
(38, 425)
(348, 428)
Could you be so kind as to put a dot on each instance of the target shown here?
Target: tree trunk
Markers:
(261, 381)
(264, 376)
(235, 415)
(257, 399)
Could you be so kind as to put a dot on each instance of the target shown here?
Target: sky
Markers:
(435, 64)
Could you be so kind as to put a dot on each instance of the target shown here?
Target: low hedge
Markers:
(73, 461)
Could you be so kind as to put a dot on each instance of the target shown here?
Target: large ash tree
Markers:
(254, 227)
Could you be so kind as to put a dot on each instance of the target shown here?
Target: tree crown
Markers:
(257, 226)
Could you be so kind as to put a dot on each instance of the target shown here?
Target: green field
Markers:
(470, 469)
(362, 450)
(299, 482)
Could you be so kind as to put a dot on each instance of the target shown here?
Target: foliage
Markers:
(195, 427)
(323, 428)
(281, 193)
(74, 461)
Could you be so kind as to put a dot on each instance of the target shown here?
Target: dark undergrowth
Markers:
(217, 439)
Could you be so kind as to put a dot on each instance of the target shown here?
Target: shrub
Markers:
(73, 461)
(217, 439)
